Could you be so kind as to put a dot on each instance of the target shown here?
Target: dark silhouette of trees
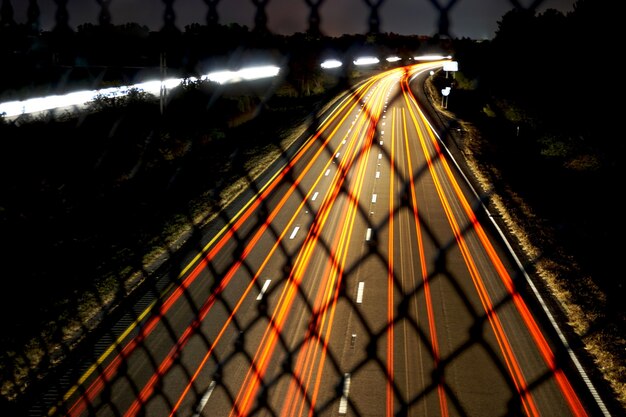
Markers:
(96, 55)
(542, 92)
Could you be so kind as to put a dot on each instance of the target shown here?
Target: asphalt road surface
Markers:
(364, 278)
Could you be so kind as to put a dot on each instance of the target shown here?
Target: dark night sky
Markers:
(468, 18)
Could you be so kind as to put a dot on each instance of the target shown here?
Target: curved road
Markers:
(360, 280)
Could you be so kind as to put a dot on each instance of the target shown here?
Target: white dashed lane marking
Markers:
(267, 284)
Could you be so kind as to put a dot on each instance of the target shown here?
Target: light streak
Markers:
(263, 354)
(88, 395)
(571, 397)
(509, 357)
(390, 282)
(443, 404)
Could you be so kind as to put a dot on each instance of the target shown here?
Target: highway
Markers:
(363, 279)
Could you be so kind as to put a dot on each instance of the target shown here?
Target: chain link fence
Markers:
(112, 198)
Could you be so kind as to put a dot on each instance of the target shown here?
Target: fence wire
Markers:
(36, 379)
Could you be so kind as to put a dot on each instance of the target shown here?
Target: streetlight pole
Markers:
(163, 91)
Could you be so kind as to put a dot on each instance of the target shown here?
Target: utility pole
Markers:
(162, 91)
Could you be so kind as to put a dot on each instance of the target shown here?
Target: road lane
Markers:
(359, 281)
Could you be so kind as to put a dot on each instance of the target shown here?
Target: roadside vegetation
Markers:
(539, 131)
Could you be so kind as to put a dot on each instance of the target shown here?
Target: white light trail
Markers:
(79, 98)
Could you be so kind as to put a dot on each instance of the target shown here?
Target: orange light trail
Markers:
(267, 345)
(261, 358)
(390, 281)
(257, 274)
(170, 358)
(443, 404)
(327, 304)
(540, 341)
(315, 343)
(296, 383)
(251, 285)
(566, 388)
(511, 362)
(103, 378)
(307, 360)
